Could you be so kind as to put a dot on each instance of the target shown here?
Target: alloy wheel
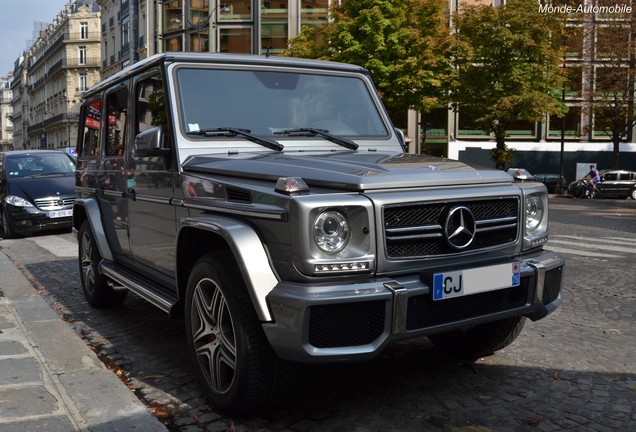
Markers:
(213, 335)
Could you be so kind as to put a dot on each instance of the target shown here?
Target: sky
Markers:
(16, 26)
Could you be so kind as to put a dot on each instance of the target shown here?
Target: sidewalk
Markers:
(49, 379)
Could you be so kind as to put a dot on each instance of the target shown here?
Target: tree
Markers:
(611, 104)
(403, 43)
(508, 67)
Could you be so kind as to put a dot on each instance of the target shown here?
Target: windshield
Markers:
(40, 164)
(266, 102)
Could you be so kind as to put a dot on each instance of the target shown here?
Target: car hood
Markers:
(354, 171)
(32, 188)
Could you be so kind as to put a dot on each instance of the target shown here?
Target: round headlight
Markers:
(534, 212)
(331, 231)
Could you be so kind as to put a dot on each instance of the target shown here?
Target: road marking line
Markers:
(579, 252)
(596, 246)
(609, 240)
(57, 246)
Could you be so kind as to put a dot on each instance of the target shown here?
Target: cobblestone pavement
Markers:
(574, 370)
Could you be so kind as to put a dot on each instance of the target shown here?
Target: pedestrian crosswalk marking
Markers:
(591, 246)
(577, 252)
(56, 245)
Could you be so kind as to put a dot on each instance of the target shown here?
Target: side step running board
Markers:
(142, 288)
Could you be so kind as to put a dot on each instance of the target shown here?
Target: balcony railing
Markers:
(88, 62)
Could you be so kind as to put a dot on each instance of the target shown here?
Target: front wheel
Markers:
(632, 194)
(95, 285)
(237, 368)
(7, 231)
(481, 340)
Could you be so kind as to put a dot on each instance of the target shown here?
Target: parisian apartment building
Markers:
(6, 113)
(49, 78)
(92, 40)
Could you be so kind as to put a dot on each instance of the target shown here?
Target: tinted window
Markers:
(266, 102)
(38, 165)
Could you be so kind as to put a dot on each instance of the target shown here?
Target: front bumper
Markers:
(27, 221)
(355, 321)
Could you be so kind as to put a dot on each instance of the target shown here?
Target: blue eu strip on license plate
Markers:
(472, 281)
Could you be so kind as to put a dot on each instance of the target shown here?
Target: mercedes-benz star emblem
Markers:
(460, 227)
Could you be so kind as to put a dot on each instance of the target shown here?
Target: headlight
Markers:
(16, 201)
(534, 212)
(331, 231)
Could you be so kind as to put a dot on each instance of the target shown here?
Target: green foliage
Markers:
(403, 43)
(508, 62)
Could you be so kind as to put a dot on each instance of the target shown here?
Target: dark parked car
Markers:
(550, 180)
(617, 183)
(613, 184)
(37, 190)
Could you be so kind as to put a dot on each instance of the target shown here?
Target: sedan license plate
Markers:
(472, 281)
(60, 213)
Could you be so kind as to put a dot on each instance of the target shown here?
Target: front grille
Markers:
(54, 203)
(417, 230)
(424, 312)
(346, 324)
(552, 285)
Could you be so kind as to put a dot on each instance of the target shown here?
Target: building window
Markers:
(173, 44)
(235, 40)
(83, 30)
(81, 55)
(274, 26)
(125, 32)
(235, 10)
(82, 81)
(571, 124)
(313, 12)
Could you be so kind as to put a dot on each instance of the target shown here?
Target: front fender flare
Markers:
(246, 246)
(93, 214)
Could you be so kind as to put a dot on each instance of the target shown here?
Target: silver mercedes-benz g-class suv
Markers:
(270, 203)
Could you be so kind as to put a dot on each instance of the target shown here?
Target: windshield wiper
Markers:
(320, 132)
(265, 142)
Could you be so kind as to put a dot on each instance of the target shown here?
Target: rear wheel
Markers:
(480, 340)
(237, 368)
(96, 287)
(632, 194)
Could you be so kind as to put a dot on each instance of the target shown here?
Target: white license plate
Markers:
(60, 213)
(472, 281)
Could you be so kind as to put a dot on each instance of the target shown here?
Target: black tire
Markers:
(632, 194)
(95, 285)
(481, 340)
(578, 192)
(7, 231)
(236, 366)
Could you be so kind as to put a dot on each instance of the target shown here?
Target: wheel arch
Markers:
(88, 209)
(204, 234)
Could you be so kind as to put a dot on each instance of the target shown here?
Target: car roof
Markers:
(220, 59)
(18, 153)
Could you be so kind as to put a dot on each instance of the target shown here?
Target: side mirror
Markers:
(150, 142)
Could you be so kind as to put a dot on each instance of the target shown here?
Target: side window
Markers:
(151, 106)
(92, 128)
(117, 111)
(150, 112)
(89, 147)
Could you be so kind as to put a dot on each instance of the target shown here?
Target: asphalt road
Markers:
(574, 370)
